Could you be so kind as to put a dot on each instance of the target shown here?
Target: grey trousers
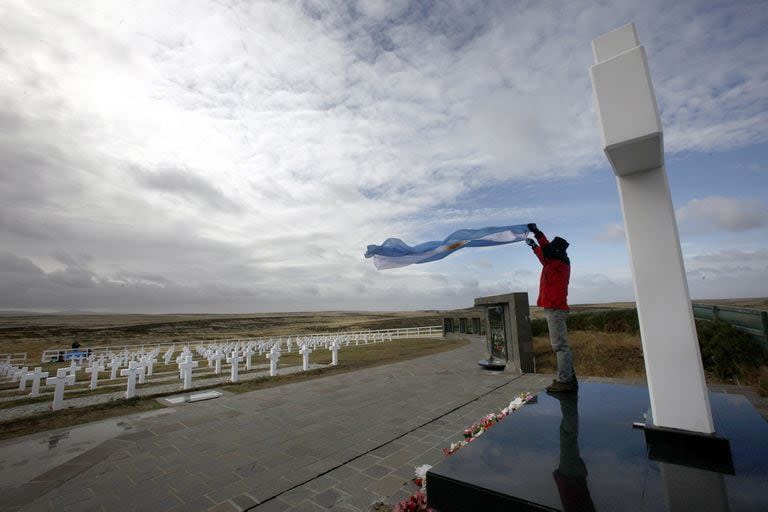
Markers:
(557, 337)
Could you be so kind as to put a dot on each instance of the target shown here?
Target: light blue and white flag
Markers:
(395, 253)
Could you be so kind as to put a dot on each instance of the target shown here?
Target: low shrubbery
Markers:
(726, 352)
(620, 320)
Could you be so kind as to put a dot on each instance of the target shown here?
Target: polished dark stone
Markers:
(580, 452)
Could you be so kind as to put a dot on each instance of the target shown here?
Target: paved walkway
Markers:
(160, 384)
(341, 443)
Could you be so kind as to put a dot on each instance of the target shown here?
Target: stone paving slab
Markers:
(341, 442)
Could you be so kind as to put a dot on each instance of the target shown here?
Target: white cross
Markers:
(248, 362)
(168, 356)
(131, 372)
(59, 381)
(334, 353)
(22, 374)
(217, 358)
(114, 365)
(142, 367)
(94, 370)
(304, 351)
(234, 360)
(274, 357)
(150, 362)
(633, 142)
(186, 370)
(73, 368)
(35, 378)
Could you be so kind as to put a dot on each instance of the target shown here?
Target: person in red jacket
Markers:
(553, 297)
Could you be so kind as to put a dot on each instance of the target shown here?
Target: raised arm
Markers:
(542, 240)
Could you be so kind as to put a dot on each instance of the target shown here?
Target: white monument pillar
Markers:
(632, 136)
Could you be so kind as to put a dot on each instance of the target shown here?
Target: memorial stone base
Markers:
(581, 452)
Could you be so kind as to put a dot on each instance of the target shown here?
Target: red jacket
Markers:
(553, 288)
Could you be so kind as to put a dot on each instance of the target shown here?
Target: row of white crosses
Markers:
(140, 365)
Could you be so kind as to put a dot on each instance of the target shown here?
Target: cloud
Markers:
(189, 186)
(611, 233)
(715, 213)
(727, 273)
(239, 156)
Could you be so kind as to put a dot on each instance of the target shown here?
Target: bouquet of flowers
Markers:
(417, 502)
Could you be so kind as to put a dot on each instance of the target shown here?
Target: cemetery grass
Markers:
(351, 357)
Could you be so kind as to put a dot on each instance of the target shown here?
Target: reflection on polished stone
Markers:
(571, 474)
(579, 452)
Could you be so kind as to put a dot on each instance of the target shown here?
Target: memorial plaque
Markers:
(497, 336)
(508, 332)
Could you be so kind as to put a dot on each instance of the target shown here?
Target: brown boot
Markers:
(563, 387)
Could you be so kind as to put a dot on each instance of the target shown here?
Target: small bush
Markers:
(539, 327)
(620, 320)
(762, 382)
(726, 351)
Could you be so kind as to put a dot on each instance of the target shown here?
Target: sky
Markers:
(236, 157)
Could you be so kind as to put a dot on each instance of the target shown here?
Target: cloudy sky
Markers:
(230, 156)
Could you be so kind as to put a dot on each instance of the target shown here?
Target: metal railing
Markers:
(750, 321)
(432, 331)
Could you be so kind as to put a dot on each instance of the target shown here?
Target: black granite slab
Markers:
(580, 453)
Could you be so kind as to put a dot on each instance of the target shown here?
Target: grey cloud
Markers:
(10, 263)
(611, 233)
(722, 213)
(189, 186)
(316, 108)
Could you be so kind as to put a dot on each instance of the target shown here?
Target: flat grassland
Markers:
(35, 333)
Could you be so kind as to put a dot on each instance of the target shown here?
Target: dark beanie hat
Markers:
(559, 244)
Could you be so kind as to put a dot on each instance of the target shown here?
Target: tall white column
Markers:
(633, 141)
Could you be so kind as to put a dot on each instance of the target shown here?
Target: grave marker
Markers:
(234, 360)
(131, 372)
(35, 377)
(22, 374)
(59, 381)
(217, 357)
(305, 356)
(186, 370)
(94, 370)
(274, 357)
(334, 353)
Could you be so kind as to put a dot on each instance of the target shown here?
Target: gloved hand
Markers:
(530, 242)
(533, 228)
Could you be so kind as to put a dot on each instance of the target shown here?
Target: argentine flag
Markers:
(394, 253)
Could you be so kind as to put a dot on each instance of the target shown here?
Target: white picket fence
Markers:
(432, 331)
(15, 358)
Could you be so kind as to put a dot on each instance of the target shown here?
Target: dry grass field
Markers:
(35, 333)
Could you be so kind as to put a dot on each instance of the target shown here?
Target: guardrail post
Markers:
(715, 313)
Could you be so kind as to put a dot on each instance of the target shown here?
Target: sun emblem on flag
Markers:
(455, 245)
